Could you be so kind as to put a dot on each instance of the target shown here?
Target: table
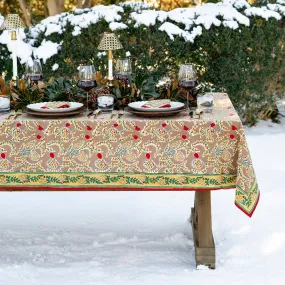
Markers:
(134, 154)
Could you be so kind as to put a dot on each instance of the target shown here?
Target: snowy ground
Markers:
(144, 238)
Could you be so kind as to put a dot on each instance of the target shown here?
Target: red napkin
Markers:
(64, 106)
(165, 106)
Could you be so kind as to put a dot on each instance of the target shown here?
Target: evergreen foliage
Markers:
(247, 62)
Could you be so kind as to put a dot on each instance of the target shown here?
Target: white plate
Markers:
(37, 107)
(138, 106)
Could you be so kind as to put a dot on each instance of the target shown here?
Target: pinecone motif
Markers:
(101, 91)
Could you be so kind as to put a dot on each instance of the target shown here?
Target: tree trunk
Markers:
(79, 3)
(55, 7)
(60, 5)
(198, 2)
(86, 4)
(25, 10)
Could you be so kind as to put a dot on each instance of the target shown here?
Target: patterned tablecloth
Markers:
(130, 153)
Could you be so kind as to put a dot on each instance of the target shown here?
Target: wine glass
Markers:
(33, 71)
(187, 79)
(87, 79)
(123, 70)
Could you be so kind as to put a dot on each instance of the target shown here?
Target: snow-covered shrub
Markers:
(236, 47)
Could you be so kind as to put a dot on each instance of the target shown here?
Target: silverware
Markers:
(196, 115)
(112, 115)
(90, 114)
(121, 113)
(12, 113)
(96, 113)
(17, 115)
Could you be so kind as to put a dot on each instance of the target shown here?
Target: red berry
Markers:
(39, 137)
(40, 128)
(212, 125)
(137, 128)
(232, 137)
(147, 155)
(99, 155)
(51, 155)
(116, 125)
(164, 125)
(234, 127)
(19, 125)
(135, 137)
(89, 128)
(87, 137)
(3, 155)
(184, 137)
(186, 128)
(196, 155)
(67, 125)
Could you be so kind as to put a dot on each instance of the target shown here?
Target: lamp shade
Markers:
(12, 22)
(109, 41)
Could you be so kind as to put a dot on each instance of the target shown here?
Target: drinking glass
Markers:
(87, 79)
(187, 79)
(123, 69)
(33, 71)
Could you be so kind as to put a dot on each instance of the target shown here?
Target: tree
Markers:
(55, 7)
(26, 12)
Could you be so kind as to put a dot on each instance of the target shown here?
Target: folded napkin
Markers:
(165, 103)
(56, 105)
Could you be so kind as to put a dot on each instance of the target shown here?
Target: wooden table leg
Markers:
(201, 220)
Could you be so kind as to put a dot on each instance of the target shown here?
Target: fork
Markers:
(18, 114)
(121, 113)
(112, 115)
(12, 113)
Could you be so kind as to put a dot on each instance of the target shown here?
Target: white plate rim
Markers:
(140, 103)
(37, 107)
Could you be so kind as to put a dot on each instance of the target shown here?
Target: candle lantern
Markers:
(110, 42)
(13, 23)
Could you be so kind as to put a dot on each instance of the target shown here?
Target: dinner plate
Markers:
(138, 106)
(54, 115)
(37, 107)
(154, 113)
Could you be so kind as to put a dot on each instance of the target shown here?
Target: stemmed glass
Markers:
(33, 71)
(187, 79)
(123, 70)
(87, 79)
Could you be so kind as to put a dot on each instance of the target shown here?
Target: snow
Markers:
(262, 12)
(171, 30)
(46, 50)
(24, 50)
(100, 54)
(55, 67)
(117, 26)
(231, 24)
(136, 6)
(148, 17)
(136, 238)
(53, 28)
(187, 23)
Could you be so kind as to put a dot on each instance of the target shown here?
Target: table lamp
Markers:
(110, 42)
(12, 23)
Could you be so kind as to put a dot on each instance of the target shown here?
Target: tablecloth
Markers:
(130, 153)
